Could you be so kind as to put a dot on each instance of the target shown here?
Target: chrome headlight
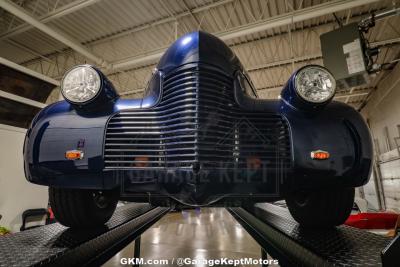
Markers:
(315, 84)
(81, 84)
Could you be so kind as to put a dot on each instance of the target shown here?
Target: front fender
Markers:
(59, 128)
(338, 129)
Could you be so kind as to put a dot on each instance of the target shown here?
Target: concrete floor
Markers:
(209, 233)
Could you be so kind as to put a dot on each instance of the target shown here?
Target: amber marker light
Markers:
(74, 154)
(142, 162)
(320, 154)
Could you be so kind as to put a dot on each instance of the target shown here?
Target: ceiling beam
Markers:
(196, 10)
(132, 92)
(130, 30)
(138, 61)
(284, 62)
(152, 56)
(387, 42)
(55, 14)
(68, 41)
(300, 59)
(352, 95)
(29, 50)
(22, 100)
(270, 88)
(293, 17)
(30, 72)
(277, 21)
(142, 59)
(159, 22)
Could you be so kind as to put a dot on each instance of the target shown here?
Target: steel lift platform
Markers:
(56, 245)
(271, 226)
(280, 236)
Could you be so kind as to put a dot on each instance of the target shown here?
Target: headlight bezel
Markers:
(94, 97)
(308, 100)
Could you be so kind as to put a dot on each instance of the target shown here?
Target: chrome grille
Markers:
(197, 123)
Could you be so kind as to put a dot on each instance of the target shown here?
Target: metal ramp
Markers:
(280, 236)
(56, 245)
(271, 226)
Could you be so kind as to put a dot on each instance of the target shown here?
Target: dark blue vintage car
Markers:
(199, 136)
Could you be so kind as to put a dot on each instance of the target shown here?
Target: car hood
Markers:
(199, 47)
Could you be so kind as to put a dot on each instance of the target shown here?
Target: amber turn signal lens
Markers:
(141, 162)
(319, 154)
(74, 154)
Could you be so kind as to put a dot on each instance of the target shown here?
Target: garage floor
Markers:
(209, 233)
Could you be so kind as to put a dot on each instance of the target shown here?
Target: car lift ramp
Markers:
(280, 236)
(56, 245)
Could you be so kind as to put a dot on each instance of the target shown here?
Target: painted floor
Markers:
(208, 233)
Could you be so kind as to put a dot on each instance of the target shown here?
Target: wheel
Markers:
(82, 208)
(326, 208)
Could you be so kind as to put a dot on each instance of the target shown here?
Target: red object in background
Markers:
(51, 213)
(367, 220)
(50, 219)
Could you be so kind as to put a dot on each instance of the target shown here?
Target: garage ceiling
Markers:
(127, 37)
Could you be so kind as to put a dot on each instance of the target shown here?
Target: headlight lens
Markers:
(80, 84)
(315, 84)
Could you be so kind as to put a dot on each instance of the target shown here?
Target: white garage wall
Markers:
(383, 110)
(370, 194)
(383, 115)
(16, 194)
(391, 183)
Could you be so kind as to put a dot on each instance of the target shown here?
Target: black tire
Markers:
(321, 209)
(81, 208)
